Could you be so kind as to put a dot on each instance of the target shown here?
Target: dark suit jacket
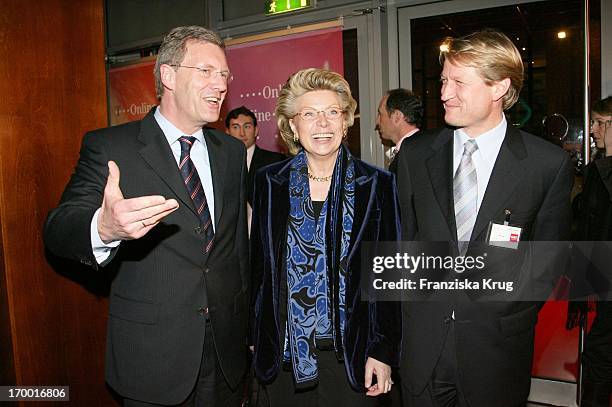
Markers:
(591, 269)
(372, 329)
(393, 163)
(155, 328)
(260, 159)
(494, 341)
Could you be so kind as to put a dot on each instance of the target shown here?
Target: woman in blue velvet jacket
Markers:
(316, 340)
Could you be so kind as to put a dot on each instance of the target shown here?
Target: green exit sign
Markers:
(284, 6)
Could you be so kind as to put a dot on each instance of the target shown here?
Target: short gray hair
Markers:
(173, 48)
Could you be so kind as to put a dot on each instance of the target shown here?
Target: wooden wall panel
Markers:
(52, 82)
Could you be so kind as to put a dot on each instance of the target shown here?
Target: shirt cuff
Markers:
(101, 250)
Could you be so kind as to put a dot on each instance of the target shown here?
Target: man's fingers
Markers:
(132, 219)
(140, 209)
(154, 220)
(142, 203)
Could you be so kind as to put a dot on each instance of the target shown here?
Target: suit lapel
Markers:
(157, 153)
(440, 168)
(507, 173)
(218, 164)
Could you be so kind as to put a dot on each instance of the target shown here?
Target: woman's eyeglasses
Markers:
(331, 113)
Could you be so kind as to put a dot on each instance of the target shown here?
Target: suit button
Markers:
(206, 270)
(447, 320)
(198, 229)
(203, 311)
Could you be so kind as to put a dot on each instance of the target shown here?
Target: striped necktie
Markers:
(465, 192)
(195, 190)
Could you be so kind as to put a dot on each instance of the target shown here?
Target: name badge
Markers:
(504, 235)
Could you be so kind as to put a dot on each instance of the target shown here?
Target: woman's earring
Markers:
(295, 137)
(345, 131)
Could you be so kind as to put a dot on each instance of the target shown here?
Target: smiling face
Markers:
(243, 128)
(191, 100)
(322, 136)
(469, 102)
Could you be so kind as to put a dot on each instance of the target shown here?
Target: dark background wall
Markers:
(140, 23)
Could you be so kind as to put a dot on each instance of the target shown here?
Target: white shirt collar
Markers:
(249, 156)
(171, 132)
(399, 143)
(488, 142)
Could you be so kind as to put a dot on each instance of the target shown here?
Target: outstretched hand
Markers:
(382, 372)
(127, 219)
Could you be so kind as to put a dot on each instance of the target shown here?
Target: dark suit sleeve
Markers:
(67, 229)
(386, 316)
(553, 220)
(552, 224)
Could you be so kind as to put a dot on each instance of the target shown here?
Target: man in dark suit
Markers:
(161, 203)
(241, 123)
(452, 183)
(399, 116)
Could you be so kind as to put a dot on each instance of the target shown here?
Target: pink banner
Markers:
(131, 91)
(261, 68)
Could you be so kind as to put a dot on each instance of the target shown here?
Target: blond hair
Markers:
(493, 55)
(304, 81)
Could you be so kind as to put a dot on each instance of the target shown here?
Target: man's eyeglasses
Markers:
(331, 113)
(207, 73)
(601, 123)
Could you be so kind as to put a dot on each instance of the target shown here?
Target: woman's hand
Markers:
(383, 377)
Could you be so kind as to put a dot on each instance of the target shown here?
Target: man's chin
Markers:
(452, 121)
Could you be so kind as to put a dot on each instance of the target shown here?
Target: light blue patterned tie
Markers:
(465, 192)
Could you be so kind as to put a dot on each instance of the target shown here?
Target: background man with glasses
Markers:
(160, 203)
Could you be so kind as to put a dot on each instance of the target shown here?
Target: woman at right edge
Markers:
(317, 342)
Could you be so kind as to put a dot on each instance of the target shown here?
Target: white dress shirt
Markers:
(249, 156)
(489, 144)
(199, 157)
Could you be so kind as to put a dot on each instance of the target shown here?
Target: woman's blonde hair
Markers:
(493, 55)
(304, 81)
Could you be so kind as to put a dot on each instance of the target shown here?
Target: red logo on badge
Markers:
(514, 237)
